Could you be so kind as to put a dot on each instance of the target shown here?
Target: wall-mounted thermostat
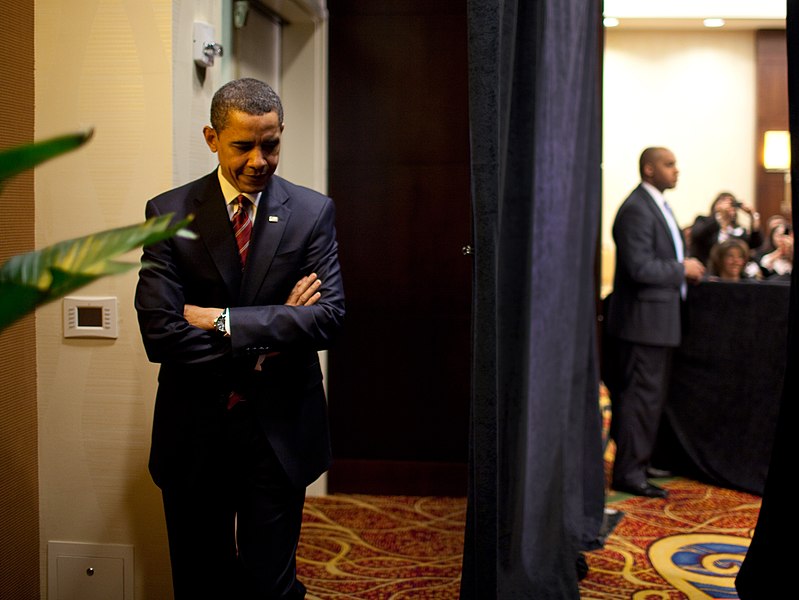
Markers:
(90, 317)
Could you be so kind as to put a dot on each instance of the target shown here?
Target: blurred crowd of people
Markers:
(733, 247)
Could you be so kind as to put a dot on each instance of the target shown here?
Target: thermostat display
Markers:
(90, 317)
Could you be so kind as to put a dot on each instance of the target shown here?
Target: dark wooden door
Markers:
(399, 376)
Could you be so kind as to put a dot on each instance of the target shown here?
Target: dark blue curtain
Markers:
(768, 560)
(536, 489)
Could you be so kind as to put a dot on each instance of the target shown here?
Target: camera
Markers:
(737, 204)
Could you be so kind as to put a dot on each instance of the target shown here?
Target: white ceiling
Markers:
(689, 14)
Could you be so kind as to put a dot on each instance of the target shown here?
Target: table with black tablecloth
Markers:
(723, 401)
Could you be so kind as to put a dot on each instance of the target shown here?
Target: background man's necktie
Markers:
(678, 246)
(242, 226)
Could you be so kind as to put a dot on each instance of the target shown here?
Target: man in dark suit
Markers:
(643, 317)
(235, 318)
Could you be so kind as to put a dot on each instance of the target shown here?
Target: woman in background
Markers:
(767, 245)
(721, 225)
(778, 263)
(729, 261)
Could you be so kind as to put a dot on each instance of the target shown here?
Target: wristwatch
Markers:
(220, 324)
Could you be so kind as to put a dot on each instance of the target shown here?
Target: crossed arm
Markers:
(304, 293)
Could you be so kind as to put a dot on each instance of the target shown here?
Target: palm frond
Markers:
(20, 158)
(35, 278)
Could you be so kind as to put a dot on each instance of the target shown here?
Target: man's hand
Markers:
(305, 292)
(201, 317)
(694, 269)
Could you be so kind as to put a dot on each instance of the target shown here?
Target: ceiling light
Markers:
(610, 22)
(714, 22)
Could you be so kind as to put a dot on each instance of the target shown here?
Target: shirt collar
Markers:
(230, 193)
(655, 193)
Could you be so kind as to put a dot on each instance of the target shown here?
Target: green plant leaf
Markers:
(29, 280)
(20, 158)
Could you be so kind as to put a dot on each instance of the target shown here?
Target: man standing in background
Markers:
(236, 318)
(643, 318)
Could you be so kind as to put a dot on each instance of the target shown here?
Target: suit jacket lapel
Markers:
(653, 206)
(214, 229)
(270, 224)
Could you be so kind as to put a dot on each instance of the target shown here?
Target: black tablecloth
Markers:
(723, 402)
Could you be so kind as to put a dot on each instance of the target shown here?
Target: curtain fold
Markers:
(536, 489)
(761, 574)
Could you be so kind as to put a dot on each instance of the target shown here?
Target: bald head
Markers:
(658, 166)
(649, 156)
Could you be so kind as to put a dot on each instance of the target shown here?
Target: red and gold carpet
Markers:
(688, 547)
(381, 548)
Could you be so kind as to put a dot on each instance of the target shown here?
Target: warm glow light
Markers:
(611, 22)
(777, 151)
(714, 22)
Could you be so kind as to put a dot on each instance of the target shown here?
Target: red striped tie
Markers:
(242, 226)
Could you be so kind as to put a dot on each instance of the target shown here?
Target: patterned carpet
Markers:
(688, 547)
(381, 548)
(357, 547)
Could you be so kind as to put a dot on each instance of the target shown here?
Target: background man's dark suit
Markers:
(643, 318)
(645, 306)
(293, 236)
(643, 321)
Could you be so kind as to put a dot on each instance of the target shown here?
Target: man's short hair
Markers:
(247, 95)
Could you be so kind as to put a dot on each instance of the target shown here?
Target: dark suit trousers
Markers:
(233, 533)
(637, 404)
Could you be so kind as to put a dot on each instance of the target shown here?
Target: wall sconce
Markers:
(777, 159)
(777, 151)
(204, 48)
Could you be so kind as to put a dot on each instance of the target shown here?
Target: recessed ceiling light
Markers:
(611, 22)
(714, 22)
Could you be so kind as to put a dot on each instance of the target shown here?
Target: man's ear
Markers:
(209, 133)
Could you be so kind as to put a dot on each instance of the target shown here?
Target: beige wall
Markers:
(125, 67)
(693, 91)
(190, 156)
(109, 64)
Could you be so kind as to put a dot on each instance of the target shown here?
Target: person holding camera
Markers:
(778, 264)
(721, 225)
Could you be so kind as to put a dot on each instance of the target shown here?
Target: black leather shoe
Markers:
(649, 490)
(658, 473)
